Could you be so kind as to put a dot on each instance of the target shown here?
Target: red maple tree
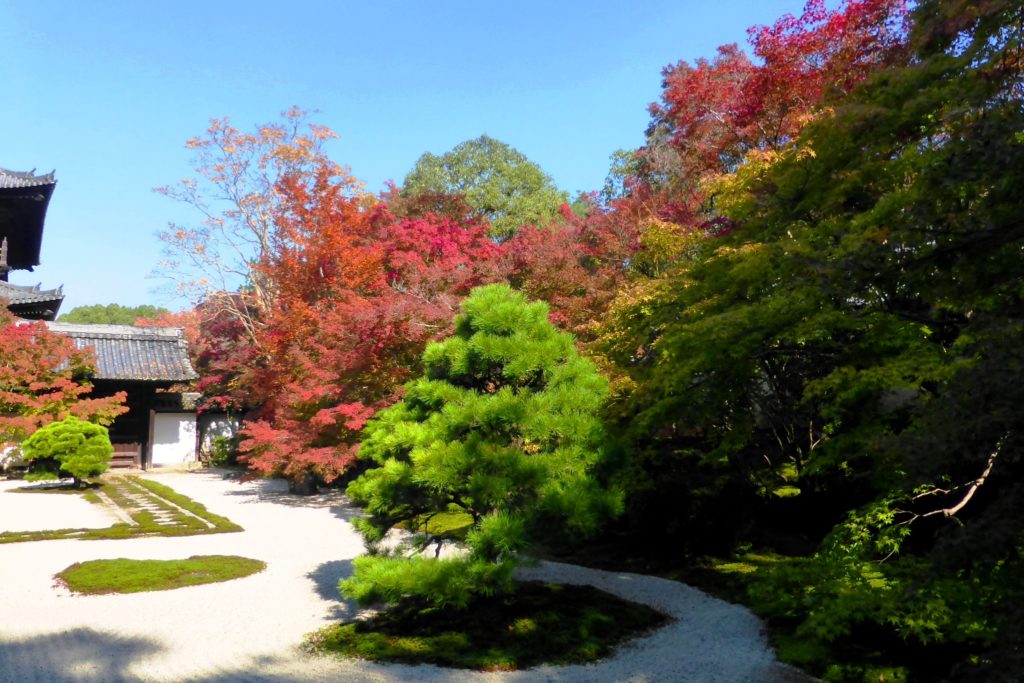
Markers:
(358, 294)
(44, 377)
(714, 112)
(576, 265)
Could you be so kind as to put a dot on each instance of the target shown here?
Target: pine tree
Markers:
(499, 436)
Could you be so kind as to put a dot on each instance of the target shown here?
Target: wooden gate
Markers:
(126, 455)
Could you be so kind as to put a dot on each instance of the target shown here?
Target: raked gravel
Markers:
(249, 630)
(43, 511)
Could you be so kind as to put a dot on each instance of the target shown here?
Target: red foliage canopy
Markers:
(713, 112)
(359, 293)
(576, 266)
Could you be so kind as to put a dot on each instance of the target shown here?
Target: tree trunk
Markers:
(303, 484)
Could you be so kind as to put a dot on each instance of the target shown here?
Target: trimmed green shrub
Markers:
(70, 447)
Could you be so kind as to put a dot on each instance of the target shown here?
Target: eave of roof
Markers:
(28, 294)
(21, 179)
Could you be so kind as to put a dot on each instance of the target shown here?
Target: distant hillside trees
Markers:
(111, 314)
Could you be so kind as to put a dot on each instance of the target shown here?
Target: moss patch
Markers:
(451, 524)
(539, 624)
(134, 576)
(730, 579)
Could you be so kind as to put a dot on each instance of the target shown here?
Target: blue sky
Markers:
(106, 92)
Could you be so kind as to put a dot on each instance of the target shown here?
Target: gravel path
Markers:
(248, 630)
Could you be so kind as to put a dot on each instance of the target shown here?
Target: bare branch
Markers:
(975, 485)
(972, 488)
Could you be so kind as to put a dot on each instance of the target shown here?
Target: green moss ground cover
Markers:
(539, 624)
(133, 576)
(125, 493)
(161, 491)
(451, 524)
(774, 586)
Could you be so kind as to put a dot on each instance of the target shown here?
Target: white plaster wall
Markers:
(174, 438)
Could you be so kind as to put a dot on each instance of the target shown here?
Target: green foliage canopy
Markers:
(502, 429)
(111, 314)
(852, 353)
(68, 447)
(495, 179)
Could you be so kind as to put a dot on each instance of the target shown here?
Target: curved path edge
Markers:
(249, 630)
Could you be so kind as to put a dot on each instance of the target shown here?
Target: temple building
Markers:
(160, 425)
(150, 364)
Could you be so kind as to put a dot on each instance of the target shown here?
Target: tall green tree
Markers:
(850, 353)
(495, 180)
(501, 432)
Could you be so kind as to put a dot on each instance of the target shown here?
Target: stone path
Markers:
(249, 630)
(144, 502)
(116, 509)
(162, 509)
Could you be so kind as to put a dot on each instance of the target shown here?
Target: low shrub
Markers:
(70, 447)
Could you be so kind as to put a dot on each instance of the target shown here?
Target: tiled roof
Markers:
(27, 294)
(124, 352)
(18, 179)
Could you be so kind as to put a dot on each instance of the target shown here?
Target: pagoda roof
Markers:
(130, 353)
(32, 302)
(23, 179)
(24, 197)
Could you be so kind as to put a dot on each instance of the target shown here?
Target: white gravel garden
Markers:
(251, 629)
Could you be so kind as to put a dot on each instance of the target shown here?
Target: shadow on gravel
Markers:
(78, 656)
(325, 580)
(333, 500)
(276, 491)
